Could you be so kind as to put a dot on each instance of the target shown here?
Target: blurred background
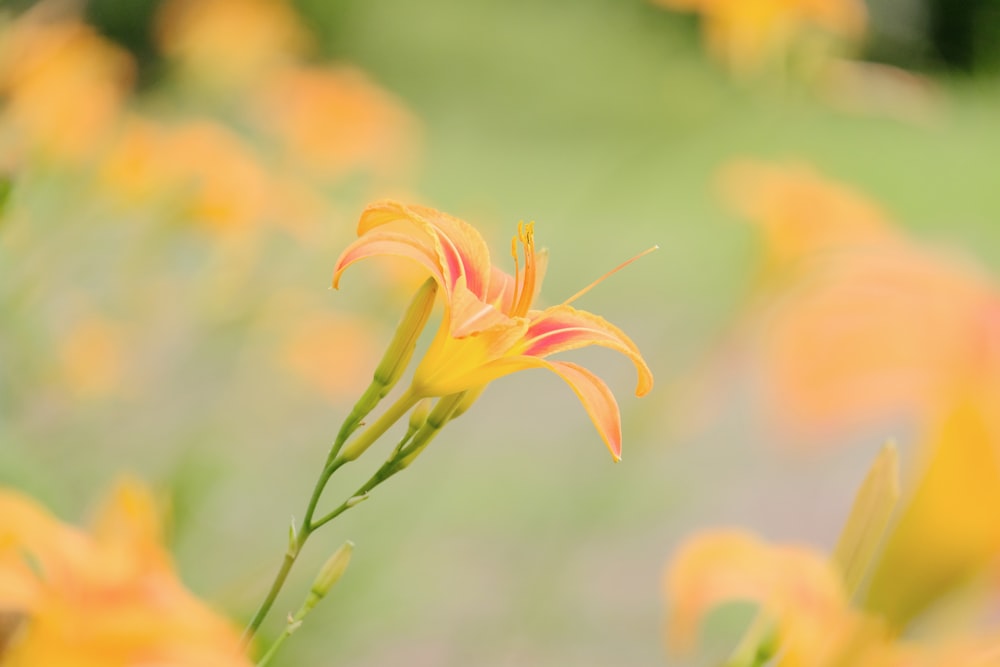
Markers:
(184, 174)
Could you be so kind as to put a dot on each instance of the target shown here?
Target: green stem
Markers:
(293, 624)
(393, 414)
(354, 449)
(388, 469)
(272, 593)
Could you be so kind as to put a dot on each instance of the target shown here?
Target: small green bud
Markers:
(357, 500)
(419, 414)
(471, 396)
(331, 572)
(293, 538)
(443, 411)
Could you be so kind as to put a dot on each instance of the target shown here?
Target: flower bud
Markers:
(404, 342)
(331, 572)
(419, 415)
(443, 411)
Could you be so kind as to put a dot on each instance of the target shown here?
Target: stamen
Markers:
(608, 274)
(526, 233)
(517, 269)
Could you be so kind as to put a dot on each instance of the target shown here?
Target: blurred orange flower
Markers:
(64, 85)
(107, 598)
(230, 42)
(796, 587)
(490, 329)
(805, 616)
(208, 176)
(746, 34)
(335, 120)
(865, 323)
(807, 619)
(800, 213)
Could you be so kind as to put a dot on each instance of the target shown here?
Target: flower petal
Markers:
(798, 589)
(597, 399)
(563, 328)
(470, 315)
(389, 243)
(460, 249)
(593, 393)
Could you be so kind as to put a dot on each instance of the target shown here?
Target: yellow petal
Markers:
(869, 518)
(795, 586)
(949, 530)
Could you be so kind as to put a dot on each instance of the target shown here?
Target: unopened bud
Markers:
(419, 414)
(331, 572)
(293, 538)
(470, 397)
(356, 500)
(396, 358)
(435, 421)
(404, 342)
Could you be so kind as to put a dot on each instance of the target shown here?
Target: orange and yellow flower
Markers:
(745, 34)
(806, 618)
(104, 598)
(490, 328)
(861, 322)
(230, 42)
(64, 85)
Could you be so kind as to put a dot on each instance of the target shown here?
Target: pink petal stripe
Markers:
(563, 328)
(597, 399)
(460, 249)
(593, 393)
(388, 243)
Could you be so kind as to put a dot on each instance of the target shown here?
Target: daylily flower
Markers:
(107, 597)
(746, 34)
(853, 321)
(948, 534)
(806, 618)
(490, 328)
(62, 84)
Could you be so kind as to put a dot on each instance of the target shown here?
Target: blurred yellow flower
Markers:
(107, 598)
(64, 85)
(805, 616)
(90, 357)
(335, 120)
(208, 176)
(863, 324)
(489, 328)
(796, 587)
(198, 170)
(948, 534)
(230, 42)
(747, 34)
